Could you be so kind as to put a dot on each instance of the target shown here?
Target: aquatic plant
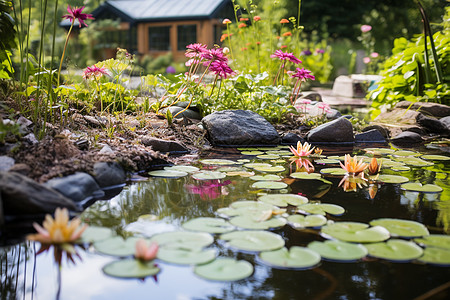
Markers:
(302, 150)
(352, 165)
(145, 252)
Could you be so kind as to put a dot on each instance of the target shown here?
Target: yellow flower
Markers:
(145, 252)
(352, 165)
(59, 230)
(374, 167)
(318, 151)
(302, 150)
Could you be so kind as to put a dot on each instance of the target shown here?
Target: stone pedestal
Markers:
(353, 86)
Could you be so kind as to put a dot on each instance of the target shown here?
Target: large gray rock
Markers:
(6, 163)
(434, 109)
(291, 139)
(77, 187)
(432, 125)
(21, 195)
(446, 121)
(371, 136)
(337, 131)
(239, 127)
(163, 145)
(407, 137)
(109, 174)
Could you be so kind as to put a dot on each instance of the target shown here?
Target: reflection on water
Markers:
(27, 275)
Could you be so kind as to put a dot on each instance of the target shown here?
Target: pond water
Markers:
(28, 275)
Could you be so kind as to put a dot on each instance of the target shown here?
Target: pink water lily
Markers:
(144, 251)
(302, 150)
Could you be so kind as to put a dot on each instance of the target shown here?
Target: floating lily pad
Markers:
(402, 228)
(247, 204)
(321, 209)
(252, 152)
(418, 187)
(271, 185)
(338, 250)
(400, 168)
(435, 157)
(414, 161)
(183, 240)
(436, 256)
(210, 225)
(271, 169)
(230, 169)
(379, 150)
(267, 177)
(406, 153)
(218, 162)
(356, 232)
(225, 269)
(333, 171)
(435, 240)
(254, 165)
(188, 169)
(268, 156)
(208, 175)
(299, 221)
(247, 149)
(96, 233)
(251, 208)
(130, 268)
(395, 250)
(326, 161)
(294, 258)
(247, 222)
(283, 199)
(241, 173)
(306, 175)
(168, 173)
(392, 178)
(117, 246)
(253, 240)
(186, 256)
(280, 152)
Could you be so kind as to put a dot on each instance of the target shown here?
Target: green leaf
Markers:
(321, 209)
(208, 175)
(216, 161)
(130, 268)
(435, 157)
(95, 233)
(188, 169)
(395, 250)
(253, 240)
(268, 156)
(225, 269)
(299, 221)
(254, 152)
(183, 240)
(247, 222)
(167, 173)
(392, 178)
(306, 175)
(210, 225)
(117, 246)
(333, 171)
(436, 256)
(435, 240)
(283, 199)
(186, 256)
(271, 185)
(294, 258)
(401, 228)
(267, 177)
(253, 165)
(418, 187)
(274, 169)
(356, 232)
(337, 250)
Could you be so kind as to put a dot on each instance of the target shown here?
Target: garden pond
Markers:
(254, 224)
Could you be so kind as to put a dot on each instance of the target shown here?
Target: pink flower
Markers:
(374, 54)
(301, 150)
(195, 50)
(303, 74)
(214, 54)
(366, 28)
(220, 68)
(145, 252)
(323, 106)
(256, 18)
(304, 101)
(94, 71)
(226, 21)
(366, 60)
(76, 13)
(286, 56)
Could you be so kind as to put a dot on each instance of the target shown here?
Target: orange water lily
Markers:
(351, 183)
(302, 150)
(58, 230)
(374, 167)
(145, 252)
(352, 165)
(303, 164)
(318, 151)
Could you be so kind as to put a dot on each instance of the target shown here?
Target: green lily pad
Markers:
(436, 256)
(267, 177)
(379, 151)
(186, 256)
(435, 157)
(326, 161)
(268, 156)
(413, 161)
(271, 185)
(283, 199)
(117, 246)
(333, 171)
(337, 250)
(406, 153)
(187, 169)
(400, 168)
(435, 240)
(210, 225)
(299, 221)
(209, 175)
(225, 269)
(392, 178)
(280, 152)
(255, 209)
(271, 169)
(356, 232)
(183, 240)
(254, 165)
(247, 222)
(418, 187)
(395, 250)
(306, 175)
(402, 228)
(96, 233)
(130, 268)
(217, 162)
(168, 173)
(247, 149)
(294, 258)
(321, 209)
(252, 152)
(253, 240)
(240, 173)
(251, 205)
(229, 169)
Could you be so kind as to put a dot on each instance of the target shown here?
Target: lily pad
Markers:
(436, 256)
(435, 157)
(268, 156)
(96, 233)
(406, 153)
(299, 221)
(333, 171)
(338, 250)
(247, 204)
(280, 152)
(254, 165)
(321, 209)
(218, 162)
(247, 222)
(241, 173)
(208, 175)
(435, 240)
(379, 151)
(271, 185)
(418, 187)
(253, 240)
(117, 246)
(395, 250)
(326, 161)
(294, 258)
(402, 228)
(413, 161)
(183, 240)
(356, 232)
(267, 177)
(225, 269)
(188, 169)
(392, 178)
(130, 268)
(271, 169)
(210, 225)
(252, 152)
(186, 256)
(283, 199)
(168, 173)
(230, 169)
(306, 175)
(400, 168)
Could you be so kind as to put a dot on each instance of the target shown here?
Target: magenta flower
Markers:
(195, 50)
(286, 56)
(366, 28)
(94, 71)
(320, 51)
(76, 13)
(220, 68)
(366, 60)
(215, 54)
(374, 54)
(303, 74)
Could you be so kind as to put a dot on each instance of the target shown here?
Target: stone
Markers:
(24, 196)
(446, 121)
(337, 131)
(416, 129)
(2, 217)
(21, 168)
(163, 145)
(24, 124)
(380, 128)
(6, 163)
(371, 136)
(188, 113)
(432, 125)
(109, 174)
(78, 187)
(30, 139)
(313, 96)
(428, 108)
(239, 128)
(291, 139)
(407, 137)
(95, 122)
(106, 150)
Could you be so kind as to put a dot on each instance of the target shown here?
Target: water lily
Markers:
(318, 151)
(303, 164)
(352, 165)
(58, 230)
(374, 167)
(145, 252)
(351, 183)
(301, 150)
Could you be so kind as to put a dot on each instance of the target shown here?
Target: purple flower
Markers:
(170, 70)
(306, 52)
(286, 56)
(321, 51)
(303, 74)
(220, 68)
(195, 50)
(76, 13)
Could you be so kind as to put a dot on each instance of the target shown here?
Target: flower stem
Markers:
(64, 51)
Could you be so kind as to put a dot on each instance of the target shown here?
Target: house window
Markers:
(159, 38)
(187, 34)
